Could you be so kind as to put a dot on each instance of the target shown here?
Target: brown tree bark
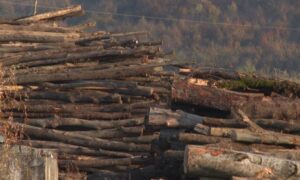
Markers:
(96, 163)
(95, 124)
(141, 139)
(73, 149)
(62, 13)
(90, 75)
(265, 138)
(81, 140)
(216, 162)
(75, 96)
(255, 106)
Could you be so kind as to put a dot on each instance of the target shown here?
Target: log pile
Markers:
(106, 103)
(228, 133)
(82, 93)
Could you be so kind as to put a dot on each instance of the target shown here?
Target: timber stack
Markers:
(109, 108)
(81, 92)
(228, 125)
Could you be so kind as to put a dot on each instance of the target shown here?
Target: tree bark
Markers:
(76, 96)
(81, 140)
(46, 54)
(87, 40)
(169, 118)
(111, 133)
(62, 13)
(96, 124)
(255, 106)
(217, 162)
(265, 138)
(96, 163)
(90, 75)
(73, 149)
(191, 138)
(141, 139)
(216, 131)
(174, 155)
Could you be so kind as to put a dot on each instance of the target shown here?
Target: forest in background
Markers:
(248, 35)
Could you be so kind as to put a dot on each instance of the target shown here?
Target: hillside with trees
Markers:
(249, 35)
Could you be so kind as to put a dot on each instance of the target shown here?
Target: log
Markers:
(90, 75)
(290, 126)
(45, 55)
(180, 119)
(168, 136)
(79, 114)
(61, 13)
(265, 138)
(165, 117)
(39, 27)
(243, 147)
(217, 162)
(255, 106)
(215, 131)
(81, 140)
(87, 56)
(77, 67)
(252, 126)
(72, 149)
(118, 163)
(95, 124)
(9, 50)
(114, 134)
(93, 54)
(191, 138)
(141, 139)
(32, 36)
(105, 84)
(111, 133)
(72, 175)
(133, 130)
(291, 154)
(136, 91)
(96, 163)
(219, 122)
(53, 106)
(86, 40)
(174, 155)
(75, 96)
(81, 27)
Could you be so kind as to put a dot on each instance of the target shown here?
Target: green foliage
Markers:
(248, 82)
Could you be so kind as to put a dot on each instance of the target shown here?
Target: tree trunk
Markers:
(96, 163)
(80, 140)
(217, 162)
(166, 117)
(255, 106)
(96, 124)
(265, 138)
(73, 149)
(141, 139)
(76, 96)
(62, 13)
(216, 131)
(90, 75)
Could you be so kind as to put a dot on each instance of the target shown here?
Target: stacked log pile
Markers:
(82, 93)
(109, 108)
(226, 131)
